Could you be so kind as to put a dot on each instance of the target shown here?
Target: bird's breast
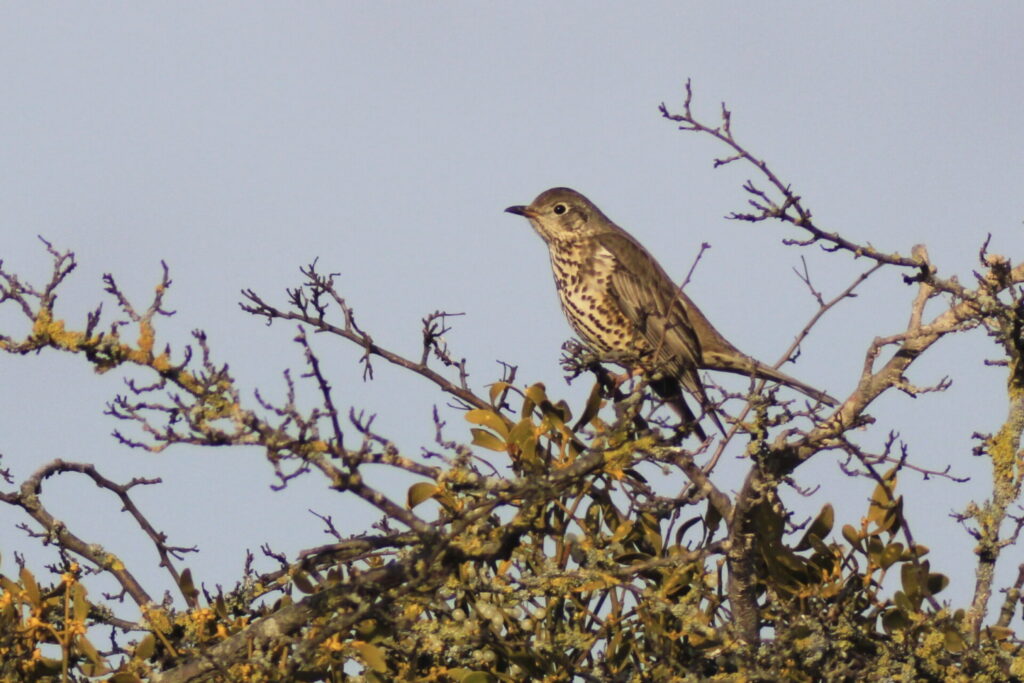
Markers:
(583, 280)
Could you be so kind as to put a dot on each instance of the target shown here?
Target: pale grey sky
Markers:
(239, 141)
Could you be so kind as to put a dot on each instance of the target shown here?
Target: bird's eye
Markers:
(560, 209)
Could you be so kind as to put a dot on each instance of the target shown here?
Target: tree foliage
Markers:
(534, 546)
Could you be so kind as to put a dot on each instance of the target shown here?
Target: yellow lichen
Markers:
(147, 337)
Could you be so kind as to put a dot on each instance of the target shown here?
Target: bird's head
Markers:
(561, 214)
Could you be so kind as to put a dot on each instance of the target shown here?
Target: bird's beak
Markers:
(522, 211)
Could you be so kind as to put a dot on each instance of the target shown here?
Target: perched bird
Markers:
(629, 311)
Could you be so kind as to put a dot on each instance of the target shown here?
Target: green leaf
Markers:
(911, 577)
(489, 419)
(651, 528)
(532, 397)
(563, 410)
(553, 417)
(820, 527)
(954, 641)
(486, 439)
(895, 620)
(85, 647)
(31, 588)
(632, 557)
(683, 528)
(420, 492)
(529, 450)
(372, 655)
(220, 607)
(852, 536)
(523, 431)
(894, 519)
(146, 648)
(303, 583)
(622, 531)
(8, 586)
(998, 633)
(497, 389)
(47, 665)
(537, 393)
(80, 606)
(937, 583)
(677, 582)
(612, 518)
(592, 408)
(124, 677)
(875, 548)
(892, 553)
(783, 557)
(903, 602)
(883, 502)
(653, 537)
(636, 476)
(188, 587)
(824, 560)
(821, 549)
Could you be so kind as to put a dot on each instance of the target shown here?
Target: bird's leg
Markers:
(669, 392)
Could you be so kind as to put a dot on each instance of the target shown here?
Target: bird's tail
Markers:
(745, 365)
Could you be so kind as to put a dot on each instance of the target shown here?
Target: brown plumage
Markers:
(624, 305)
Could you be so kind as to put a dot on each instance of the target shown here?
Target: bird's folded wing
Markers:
(648, 298)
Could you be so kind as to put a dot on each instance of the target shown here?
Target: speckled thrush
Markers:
(629, 311)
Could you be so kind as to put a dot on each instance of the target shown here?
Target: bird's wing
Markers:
(649, 298)
(674, 327)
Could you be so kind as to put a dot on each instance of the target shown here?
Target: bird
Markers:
(627, 309)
